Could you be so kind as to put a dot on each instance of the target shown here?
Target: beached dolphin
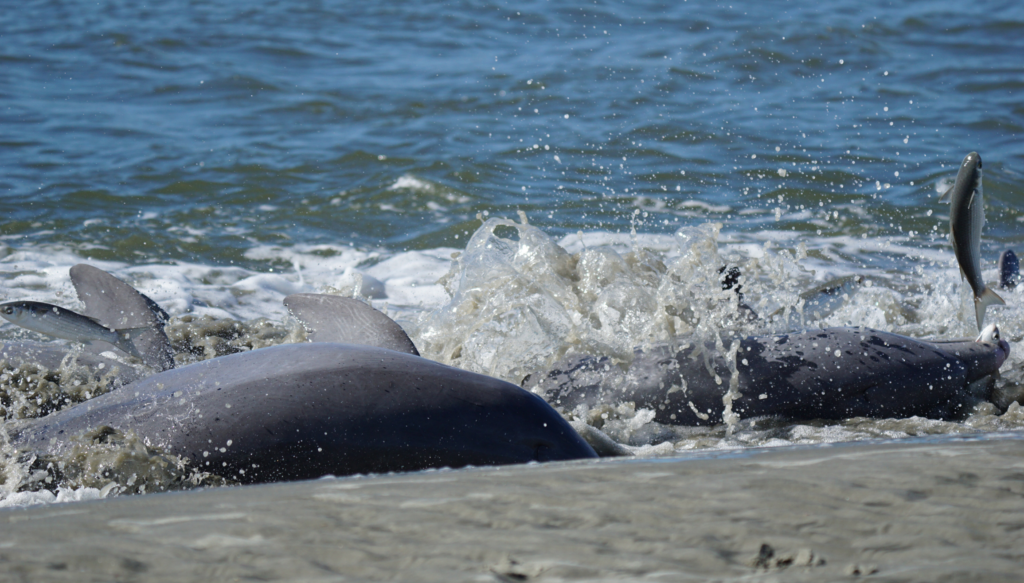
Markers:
(833, 373)
(117, 306)
(299, 411)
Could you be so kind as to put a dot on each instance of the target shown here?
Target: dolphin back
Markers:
(833, 373)
(301, 411)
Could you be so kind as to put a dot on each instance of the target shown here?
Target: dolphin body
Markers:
(301, 411)
(833, 373)
(53, 356)
(117, 306)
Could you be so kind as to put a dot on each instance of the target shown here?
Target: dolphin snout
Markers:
(985, 358)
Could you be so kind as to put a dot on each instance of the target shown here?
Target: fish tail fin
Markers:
(986, 299)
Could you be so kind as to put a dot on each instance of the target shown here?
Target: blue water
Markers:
(121, 120)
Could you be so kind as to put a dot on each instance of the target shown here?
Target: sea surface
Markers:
(424, 155)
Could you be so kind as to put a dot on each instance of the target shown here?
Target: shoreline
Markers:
(913, 510)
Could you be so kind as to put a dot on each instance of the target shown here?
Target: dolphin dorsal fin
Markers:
(347, 321)
(118, 306)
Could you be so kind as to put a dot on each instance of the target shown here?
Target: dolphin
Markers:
(61, 322)
(301, 411)
(117, 305)
(832, 373)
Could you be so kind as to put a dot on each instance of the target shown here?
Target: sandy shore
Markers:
(939, 510)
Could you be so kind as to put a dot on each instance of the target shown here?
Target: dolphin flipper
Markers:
(119, 306)
(347, 321)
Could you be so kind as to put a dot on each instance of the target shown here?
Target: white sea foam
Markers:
(412, 183)
(63, 495)
(404, 281)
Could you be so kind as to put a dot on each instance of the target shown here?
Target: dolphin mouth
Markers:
(988, 363)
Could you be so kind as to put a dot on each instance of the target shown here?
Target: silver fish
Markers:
(966, 218)
(57, 321)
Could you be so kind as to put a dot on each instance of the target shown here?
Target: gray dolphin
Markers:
(300, 411)
(118, 306)
(833, 373)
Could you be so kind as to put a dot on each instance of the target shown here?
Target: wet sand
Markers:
(924, 510)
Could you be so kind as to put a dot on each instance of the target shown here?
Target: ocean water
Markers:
(444, 159)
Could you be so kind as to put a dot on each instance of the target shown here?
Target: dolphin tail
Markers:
(986, 299)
